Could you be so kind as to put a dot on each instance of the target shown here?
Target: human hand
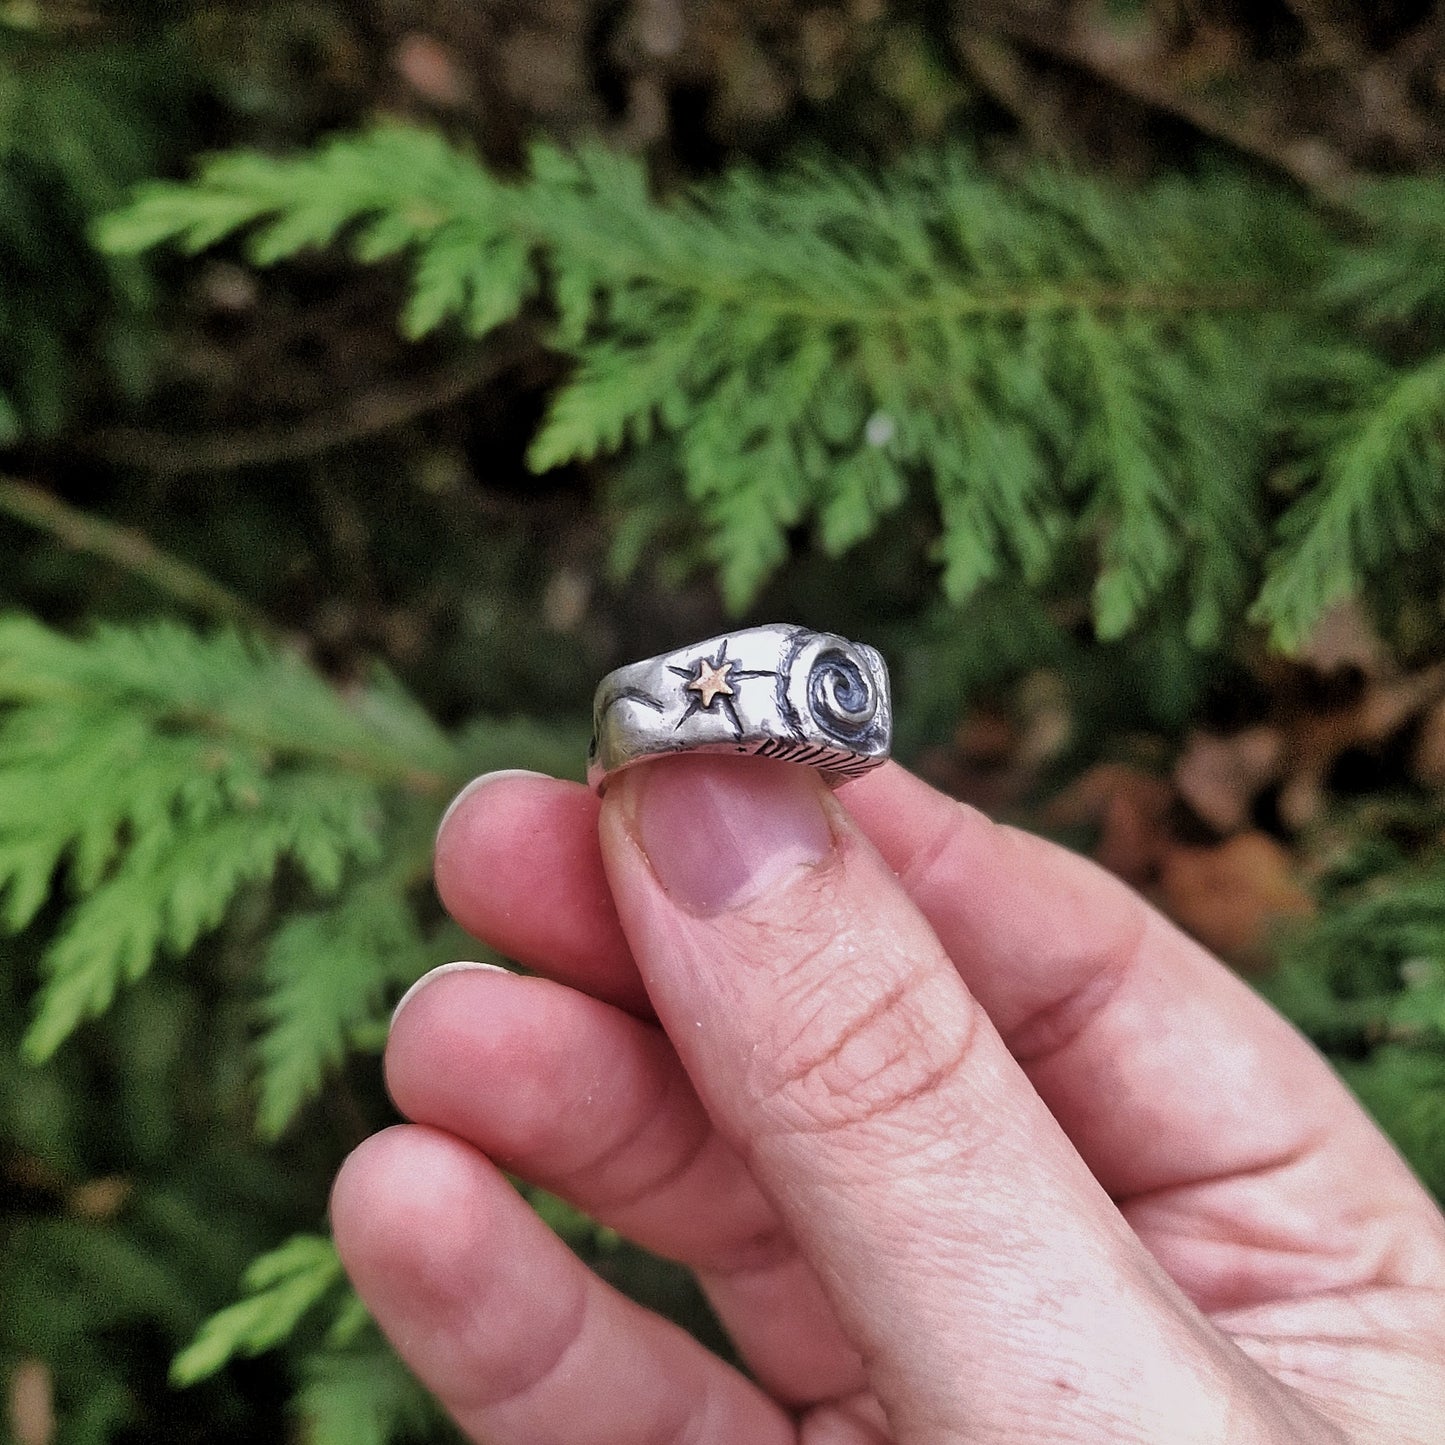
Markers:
(964, 1142)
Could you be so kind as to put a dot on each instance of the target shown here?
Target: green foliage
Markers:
(1404, 1088)
(161, 774)
(1374, 966)
(155, 783)
(77, 127)
(282, 1287)
(325, 973)
(1367, 981)
(164, 773)
(353, 1390)
(361, 1397)
(1394, 274)
(1370, 491)
(1061, 364)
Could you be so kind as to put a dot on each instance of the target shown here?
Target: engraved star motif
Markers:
(711, 678)
(711, 681)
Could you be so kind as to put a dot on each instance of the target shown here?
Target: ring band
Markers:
(778, 691)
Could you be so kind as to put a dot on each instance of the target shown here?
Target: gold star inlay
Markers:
(711, 682)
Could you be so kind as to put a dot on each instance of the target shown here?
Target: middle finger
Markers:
(592, 1104)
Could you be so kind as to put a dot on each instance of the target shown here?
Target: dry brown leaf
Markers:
(1220, 777)
(101, 1199)
(1231, 895)
(1317, 740)
(1344, 637)
(986, 737)
(431, 69)
(1129, 807)
(1046, 716)
(1387, 706)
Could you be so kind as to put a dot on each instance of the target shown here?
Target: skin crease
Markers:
(964, 1143)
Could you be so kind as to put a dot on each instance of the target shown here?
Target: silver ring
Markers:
(778, 691)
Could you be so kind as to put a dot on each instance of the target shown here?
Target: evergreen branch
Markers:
(1136, 482)
(283, 1287)
(1378, 474)
(129, 549)
(163, 773)
(1373, 962)
(1395, 273)
(1367, 980)
(164, 896)
(362, 1396)
(820, 344)
(234, 688)
(325, 975)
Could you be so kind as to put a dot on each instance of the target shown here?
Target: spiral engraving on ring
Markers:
(841, 696)
(775, 691)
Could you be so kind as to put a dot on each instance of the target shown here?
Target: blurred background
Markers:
(256, 529)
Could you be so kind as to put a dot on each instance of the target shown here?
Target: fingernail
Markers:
(464, 965)
(477, 784)
(718, 831)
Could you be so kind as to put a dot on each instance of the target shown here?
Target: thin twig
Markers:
(126, 548)
(1315, 167)
(382, 409)
(994, 63)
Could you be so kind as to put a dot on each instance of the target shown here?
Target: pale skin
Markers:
(964, 1142)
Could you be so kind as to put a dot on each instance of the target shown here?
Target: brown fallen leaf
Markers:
(102, 1198)
(1317, 740)
(1129, 807)
(986, 737)
(431, 69)
(1231, 894)
(1221, 776)
(1345, 637)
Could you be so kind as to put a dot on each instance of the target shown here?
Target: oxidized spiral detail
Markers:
(777, 691)
(840, 695)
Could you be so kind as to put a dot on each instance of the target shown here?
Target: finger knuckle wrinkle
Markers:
(947, 853)
(867, 1054)
(523, 1372)
(667, 1171)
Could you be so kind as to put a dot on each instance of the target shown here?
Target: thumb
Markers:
(990, 1283)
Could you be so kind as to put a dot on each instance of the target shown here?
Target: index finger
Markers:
(1230, 1143)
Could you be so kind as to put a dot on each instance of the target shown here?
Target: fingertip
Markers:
(503, 1324)
(517, 864)
(409, 1208)
(494, 1058)
(406, 1175)
(461, 965)
(497, 775)
(496, 821)
(427, 1041)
